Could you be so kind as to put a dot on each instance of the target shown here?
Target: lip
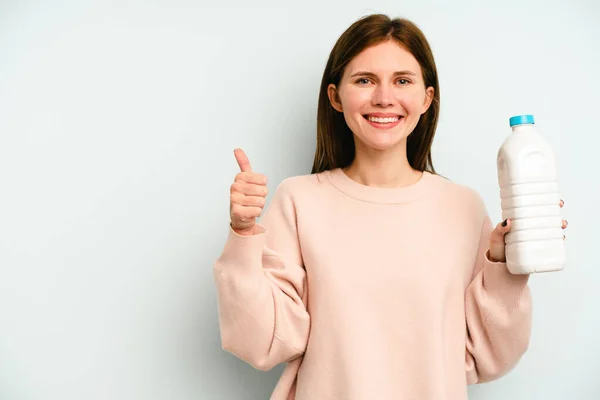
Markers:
(382, 115)
(384, 126)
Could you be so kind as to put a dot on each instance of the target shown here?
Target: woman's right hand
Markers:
(248, 195)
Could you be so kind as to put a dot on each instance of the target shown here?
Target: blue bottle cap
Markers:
(521, 119)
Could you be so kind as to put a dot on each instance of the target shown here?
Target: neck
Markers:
(377, 168)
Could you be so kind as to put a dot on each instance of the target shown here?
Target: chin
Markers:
(383, 144)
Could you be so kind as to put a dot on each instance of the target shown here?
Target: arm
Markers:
(498, 316)
(261, 289)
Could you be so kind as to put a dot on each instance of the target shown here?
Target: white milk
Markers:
(528, 182)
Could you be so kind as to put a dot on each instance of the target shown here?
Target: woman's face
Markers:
(382, 95)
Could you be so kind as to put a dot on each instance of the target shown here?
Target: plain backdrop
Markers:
(118, 122)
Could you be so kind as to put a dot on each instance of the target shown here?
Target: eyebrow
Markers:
(365, 73)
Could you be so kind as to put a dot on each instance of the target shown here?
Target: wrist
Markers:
(496, 256)
(244, 232)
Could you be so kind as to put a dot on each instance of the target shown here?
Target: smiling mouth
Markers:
(383, 120)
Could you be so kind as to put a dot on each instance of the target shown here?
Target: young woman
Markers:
(372, 277)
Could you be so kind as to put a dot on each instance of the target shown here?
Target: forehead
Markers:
(384, 58)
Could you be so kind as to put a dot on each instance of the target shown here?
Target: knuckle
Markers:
(236, 187)
(236, 199)
(257, 201)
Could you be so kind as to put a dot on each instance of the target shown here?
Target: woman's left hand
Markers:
(497, 244)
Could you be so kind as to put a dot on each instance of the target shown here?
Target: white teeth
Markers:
(384, 120)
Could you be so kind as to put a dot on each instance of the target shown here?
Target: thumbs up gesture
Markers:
(248, 194)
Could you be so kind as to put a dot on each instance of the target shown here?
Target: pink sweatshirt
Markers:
(372, 293)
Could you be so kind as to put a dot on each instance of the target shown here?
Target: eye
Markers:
(403, 81)
(363, 81)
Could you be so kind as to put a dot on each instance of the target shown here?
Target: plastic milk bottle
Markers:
(528, 180)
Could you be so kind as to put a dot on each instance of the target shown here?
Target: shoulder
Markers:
(300, 184)
(294, 192)
(462, 195)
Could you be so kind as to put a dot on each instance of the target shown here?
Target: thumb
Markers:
(242, 160)
(501, 229)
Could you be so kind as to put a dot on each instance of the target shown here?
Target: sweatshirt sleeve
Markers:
(498, 316)
(261, 289)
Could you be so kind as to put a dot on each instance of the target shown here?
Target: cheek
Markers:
(354, 100)
(413, 101)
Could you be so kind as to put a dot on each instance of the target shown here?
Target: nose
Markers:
(383, 95)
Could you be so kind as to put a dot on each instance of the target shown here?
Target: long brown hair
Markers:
(335, 140)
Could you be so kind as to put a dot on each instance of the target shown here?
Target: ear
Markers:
(428, 98)
(334, 98)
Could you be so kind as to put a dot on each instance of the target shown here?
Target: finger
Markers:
(562, 203)
(565, 223)
(246, 213)
(248, 201)
(249, 189)
(501, 229)
(251, 177)
(254, 201)
(242, 160)
(504, 226)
